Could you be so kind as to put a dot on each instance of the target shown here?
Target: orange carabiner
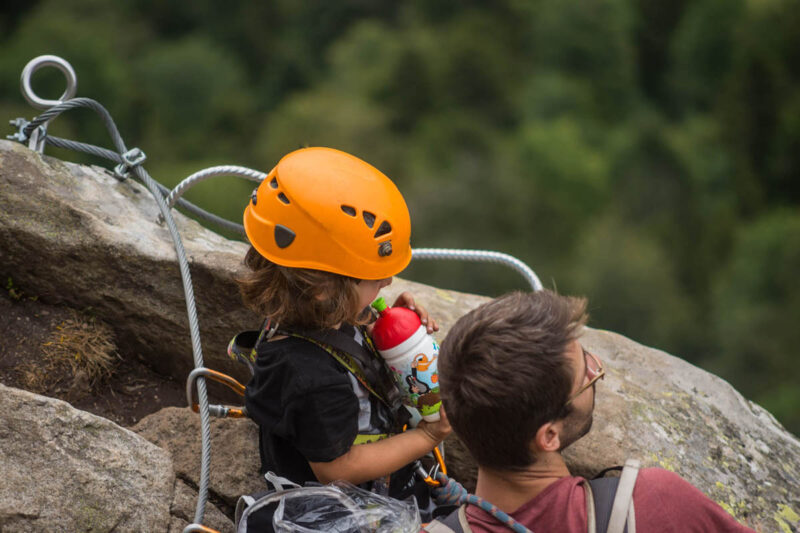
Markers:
(220, 411)
(442, 468)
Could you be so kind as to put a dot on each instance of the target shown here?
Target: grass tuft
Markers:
(78, 346)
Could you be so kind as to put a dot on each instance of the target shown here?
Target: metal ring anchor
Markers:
(36, 141)
(47, 61)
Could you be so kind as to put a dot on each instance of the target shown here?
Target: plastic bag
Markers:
(341, 507)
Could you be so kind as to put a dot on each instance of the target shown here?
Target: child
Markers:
(327, 232)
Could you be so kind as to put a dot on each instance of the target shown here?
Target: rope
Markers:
(451, 492)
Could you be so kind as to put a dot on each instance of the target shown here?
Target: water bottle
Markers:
(411, 354)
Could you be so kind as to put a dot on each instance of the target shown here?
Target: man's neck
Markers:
(508, 490)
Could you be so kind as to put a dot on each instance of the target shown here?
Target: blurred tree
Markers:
(702, 52)
(593, 41)
(757, 107)
(85, 32)
(11, 13)
(655, 24)
(755, 314)
(194, 95)
(326, 117)
(631, 285)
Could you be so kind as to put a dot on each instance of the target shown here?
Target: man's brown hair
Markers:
(298, 297)
(504, 373)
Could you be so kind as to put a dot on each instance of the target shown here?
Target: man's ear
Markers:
(548, 437)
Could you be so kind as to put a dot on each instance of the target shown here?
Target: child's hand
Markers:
(439, 430)
(406, 300)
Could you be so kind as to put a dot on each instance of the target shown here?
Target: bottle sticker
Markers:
(420, 380)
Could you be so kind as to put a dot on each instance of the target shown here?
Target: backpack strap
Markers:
(622, 510)
(455, 522)
(591, 526)
(605, 495)
(599, 500)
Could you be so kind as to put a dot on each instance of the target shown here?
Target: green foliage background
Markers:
(642, 152)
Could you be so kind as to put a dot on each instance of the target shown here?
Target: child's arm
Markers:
(365, 462)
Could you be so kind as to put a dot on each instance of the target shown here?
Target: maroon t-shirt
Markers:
(663, 502)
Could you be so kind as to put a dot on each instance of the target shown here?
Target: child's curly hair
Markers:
(299, 297)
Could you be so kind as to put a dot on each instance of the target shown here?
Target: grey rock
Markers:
(183, 508)
(75, 235)
(67, 470)
(671, 414)
(234, 451)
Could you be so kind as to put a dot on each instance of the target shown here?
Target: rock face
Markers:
(60, 221)
(234, 451)
(75, 235)
(66, 470)
(668, 413)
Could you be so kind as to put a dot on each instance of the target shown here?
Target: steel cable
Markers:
(197, 351)
(113, 156)
(158, 192)
(480, 256)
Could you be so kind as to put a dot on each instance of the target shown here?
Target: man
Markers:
(518, 388)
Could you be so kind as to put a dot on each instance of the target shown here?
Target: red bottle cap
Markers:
(394, 325)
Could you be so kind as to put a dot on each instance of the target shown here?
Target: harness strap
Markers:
(244, 348)
(344, 359)
(364, 438)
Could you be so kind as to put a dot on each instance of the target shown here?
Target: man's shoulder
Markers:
(663, 497)
(665, 481)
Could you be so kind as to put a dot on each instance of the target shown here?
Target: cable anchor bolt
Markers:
(19, 123)
(130, 160)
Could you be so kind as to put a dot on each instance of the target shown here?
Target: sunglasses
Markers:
(594, 370)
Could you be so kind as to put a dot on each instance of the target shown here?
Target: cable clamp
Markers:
(130, 160)
(19, 123)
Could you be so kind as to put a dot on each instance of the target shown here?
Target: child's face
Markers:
(368, 290)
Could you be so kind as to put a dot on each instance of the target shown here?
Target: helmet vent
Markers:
(274, 183)
(283, 236)
(282, 198)
(349, 210)
(383, 229)
(369, 219)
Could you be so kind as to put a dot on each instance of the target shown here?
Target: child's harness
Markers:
(351, 355)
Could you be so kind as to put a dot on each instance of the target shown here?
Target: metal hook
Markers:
(38, 135)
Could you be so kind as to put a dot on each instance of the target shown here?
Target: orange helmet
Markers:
(325, 209)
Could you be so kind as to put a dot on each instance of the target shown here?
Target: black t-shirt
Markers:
(307, 407)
